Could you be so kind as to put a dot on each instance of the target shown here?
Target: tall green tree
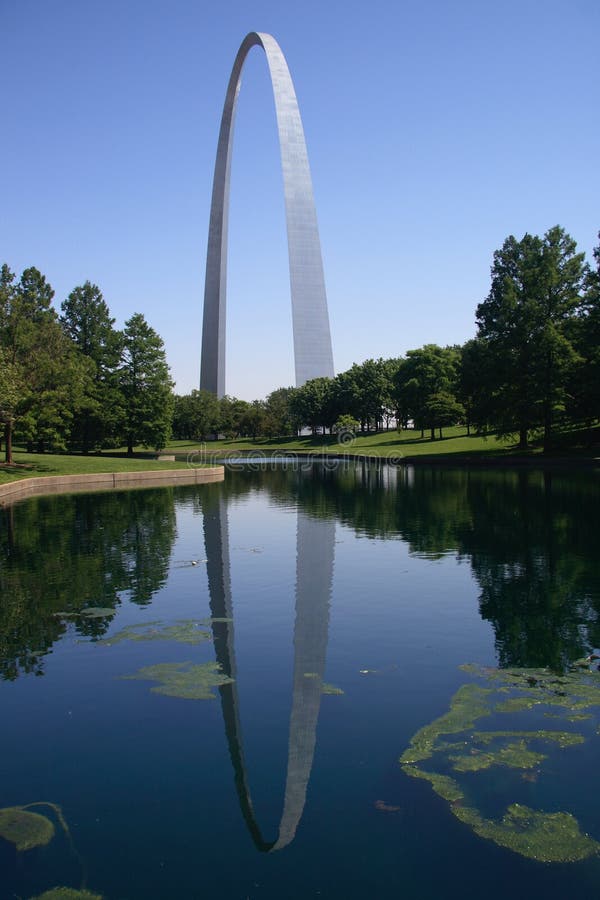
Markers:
(525, 321)
(584, 401)
(371, 392)
(232, 415)
(86, 320)
(146, 386)
(312, 403)
(475, 390)
(196, 416)
(427, 373)
(278, 416)
(11, 387)
(43, 380)
(12, 390)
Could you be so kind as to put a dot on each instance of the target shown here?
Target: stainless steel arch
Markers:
(310, 321)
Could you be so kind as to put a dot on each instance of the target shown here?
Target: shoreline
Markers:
(106, 481)
(397, 459)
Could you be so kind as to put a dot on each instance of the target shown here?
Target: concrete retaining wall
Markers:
(70, 484)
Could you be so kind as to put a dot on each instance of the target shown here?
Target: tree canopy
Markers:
(76, 382)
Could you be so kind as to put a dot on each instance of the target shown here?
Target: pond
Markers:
(330, 681)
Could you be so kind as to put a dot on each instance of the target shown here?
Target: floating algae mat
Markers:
(25, 829)
(185, 631)
(66, 893)
(92, 612)
(190, 682)
(453, 745)
(326, 688)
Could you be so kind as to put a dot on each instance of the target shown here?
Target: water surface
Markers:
(375, 581)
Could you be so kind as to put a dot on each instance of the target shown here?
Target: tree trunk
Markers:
(8, 458)
(85, 443)
(523, 445)
(130, 445)
(432, 436)
(547, 429)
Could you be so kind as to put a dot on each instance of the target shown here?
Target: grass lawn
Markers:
(572, 443)
(388, 443)
(38, 464)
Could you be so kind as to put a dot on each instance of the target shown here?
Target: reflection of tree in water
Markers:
(530, 536)
(65, 553)
(531, 540)
(533, 551)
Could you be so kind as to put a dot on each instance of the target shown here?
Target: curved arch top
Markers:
(313, 355)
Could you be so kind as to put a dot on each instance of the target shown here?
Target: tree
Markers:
(525, 322)
(12, 388)
(253, 420)
(441, 409)
(232, 415)
(425, 373)
(312, 403)
(278, 416)
(345, 427)
(57, 384)
(371, 392)
(584, 400)
(42, 382)
(146, 385)
(196, 416)
(87, 322)
(475, 391)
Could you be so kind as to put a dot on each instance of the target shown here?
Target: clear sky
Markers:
(434, 130)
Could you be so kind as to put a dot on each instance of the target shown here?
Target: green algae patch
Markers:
(184, 680)
(330, 689)
(545, 837)
(443, 785)
(66, 893)
(93, 612)
(473, 756)
(97, 612)
(469, 704)
(185, 631)
(515, 756)
(516, 704)
(561, 738)
(25, 829)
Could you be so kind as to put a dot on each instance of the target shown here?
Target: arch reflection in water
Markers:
(315, 540)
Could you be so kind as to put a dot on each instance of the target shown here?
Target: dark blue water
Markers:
(378, 581)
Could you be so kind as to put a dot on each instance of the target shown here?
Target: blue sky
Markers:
(434, 130)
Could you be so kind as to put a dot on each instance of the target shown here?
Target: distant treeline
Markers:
(72, 381)
(533, 366)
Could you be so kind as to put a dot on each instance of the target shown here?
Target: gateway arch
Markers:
(313, 355)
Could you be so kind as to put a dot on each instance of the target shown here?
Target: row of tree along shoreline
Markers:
(74, 382)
